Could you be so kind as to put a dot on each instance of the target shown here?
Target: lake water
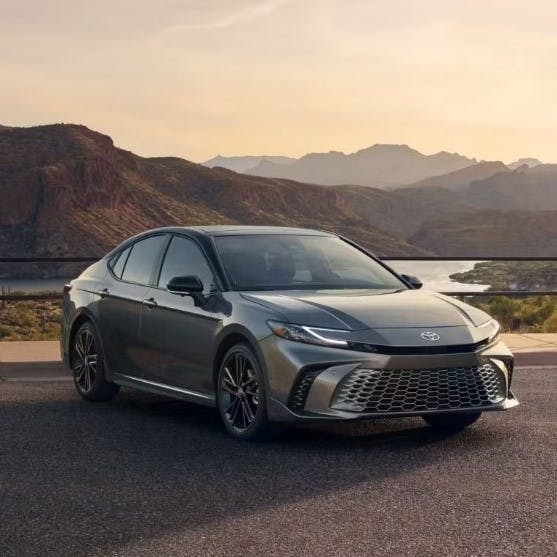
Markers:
(434, 275)
(34, 285)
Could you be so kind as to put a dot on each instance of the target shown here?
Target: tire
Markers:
(241, 396)
(451, 422)
(88, 366)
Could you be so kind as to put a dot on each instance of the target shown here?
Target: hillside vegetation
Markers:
(512, 275)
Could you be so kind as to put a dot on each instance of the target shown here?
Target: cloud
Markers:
(257, 9)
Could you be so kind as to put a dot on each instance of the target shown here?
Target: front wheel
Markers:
(88, 366)
(451, 422)
(241, 395)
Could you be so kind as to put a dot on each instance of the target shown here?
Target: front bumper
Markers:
(314, 383)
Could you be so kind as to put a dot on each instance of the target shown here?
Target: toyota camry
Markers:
(273, 325)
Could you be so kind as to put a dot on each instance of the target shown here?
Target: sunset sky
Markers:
(195, 78)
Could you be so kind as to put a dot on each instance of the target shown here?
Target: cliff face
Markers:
(66, 190)
(51, 169)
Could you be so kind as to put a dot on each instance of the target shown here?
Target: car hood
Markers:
(371, 309)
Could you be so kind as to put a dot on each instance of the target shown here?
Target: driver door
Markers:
(177, 333)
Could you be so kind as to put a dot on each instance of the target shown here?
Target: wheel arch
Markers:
(228, 338)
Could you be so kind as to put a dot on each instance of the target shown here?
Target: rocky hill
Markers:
(460, 179)
(487, 233)
(526, 188)
(67, 190)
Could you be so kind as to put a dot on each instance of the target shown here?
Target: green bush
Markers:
(532, 314)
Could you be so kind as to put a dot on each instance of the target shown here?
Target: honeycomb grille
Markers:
(420, 390)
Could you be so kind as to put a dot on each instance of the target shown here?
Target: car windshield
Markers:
(290, 262)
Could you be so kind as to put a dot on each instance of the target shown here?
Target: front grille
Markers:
(420, 390)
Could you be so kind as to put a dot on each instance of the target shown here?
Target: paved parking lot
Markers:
(147, 476)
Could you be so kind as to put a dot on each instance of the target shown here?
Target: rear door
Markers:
(178, 335)
(121, 301)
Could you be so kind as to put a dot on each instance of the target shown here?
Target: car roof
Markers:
(232, 230)
(203, 233)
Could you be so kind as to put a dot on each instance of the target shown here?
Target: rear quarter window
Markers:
(117, 262)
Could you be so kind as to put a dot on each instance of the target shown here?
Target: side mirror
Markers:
(186, 286)
(414, 282)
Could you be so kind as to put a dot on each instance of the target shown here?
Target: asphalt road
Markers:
(147, 476)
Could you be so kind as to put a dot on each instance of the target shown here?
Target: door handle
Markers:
(150, 302)
(104, 293)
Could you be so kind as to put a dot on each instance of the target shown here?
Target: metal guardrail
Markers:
(36, 297)
(49, 259)
(459, 293)
(467, 258)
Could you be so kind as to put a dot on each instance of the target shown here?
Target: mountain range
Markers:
(380, 166)
(67, 190)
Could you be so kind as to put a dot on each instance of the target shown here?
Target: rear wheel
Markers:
(451, 422)
(241, 395)
(88, 366)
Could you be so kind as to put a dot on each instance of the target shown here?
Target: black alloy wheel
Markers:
(88, 366)
(241, 395)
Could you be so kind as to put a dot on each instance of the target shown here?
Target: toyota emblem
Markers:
(430, 335)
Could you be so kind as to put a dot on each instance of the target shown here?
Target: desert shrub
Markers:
(30, 320)
(27, 318)
(531, 314)
(550, 324)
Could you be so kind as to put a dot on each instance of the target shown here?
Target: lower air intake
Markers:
(420, 390)
(301, 388)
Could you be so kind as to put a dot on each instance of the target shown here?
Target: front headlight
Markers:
(492, 329)
(310, 335)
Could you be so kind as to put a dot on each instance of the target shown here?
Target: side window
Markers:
(142, 258)
(118, 262)
(184, 258)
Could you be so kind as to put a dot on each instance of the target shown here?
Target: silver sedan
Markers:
(274, 325)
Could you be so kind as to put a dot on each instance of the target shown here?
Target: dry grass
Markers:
(30, 320)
